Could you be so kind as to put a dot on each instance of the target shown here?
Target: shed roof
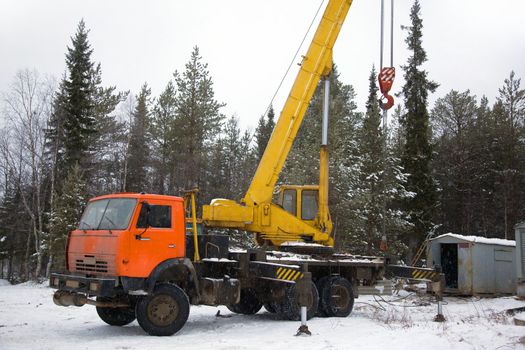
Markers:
(478, 239)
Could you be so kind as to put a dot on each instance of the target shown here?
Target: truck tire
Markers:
(290, 309)
(248, 304)
(336, 297)
(319, 284)
(165, 311)
(115, 316)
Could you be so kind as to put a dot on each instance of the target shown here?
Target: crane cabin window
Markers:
(309, 204)
(159, 216)
(290, 201)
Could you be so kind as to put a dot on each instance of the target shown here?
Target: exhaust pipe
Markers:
(63, 298)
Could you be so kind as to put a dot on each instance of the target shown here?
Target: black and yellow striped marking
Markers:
(288, 274)
(424, 274)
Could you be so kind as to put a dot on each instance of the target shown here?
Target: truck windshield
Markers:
(108, 214)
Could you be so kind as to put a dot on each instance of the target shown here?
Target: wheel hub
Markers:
(163, 310)
(340, 297)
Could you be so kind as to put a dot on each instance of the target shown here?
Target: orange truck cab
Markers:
(127, 235)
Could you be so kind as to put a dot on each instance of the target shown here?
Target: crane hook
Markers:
(388, 104)
(386, 79)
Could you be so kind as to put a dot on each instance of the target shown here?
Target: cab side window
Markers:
(159, 216)
(309, 204)
(290, 201)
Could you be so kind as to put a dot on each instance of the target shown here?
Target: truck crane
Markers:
(133, 256)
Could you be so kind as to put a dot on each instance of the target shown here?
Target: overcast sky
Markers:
(471, 44)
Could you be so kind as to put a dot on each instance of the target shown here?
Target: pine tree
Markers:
(509, 114)
(138, 152)
(454, 118)
(418, 151)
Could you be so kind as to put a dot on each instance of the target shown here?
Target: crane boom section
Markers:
(316, 63)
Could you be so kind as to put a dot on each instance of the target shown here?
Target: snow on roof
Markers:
(300, 244)
(478, 239)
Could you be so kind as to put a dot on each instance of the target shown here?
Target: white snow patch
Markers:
(4, 283)
(30, 320)
(237, 250)
(300, 244)
(482, 240)
(218, 259)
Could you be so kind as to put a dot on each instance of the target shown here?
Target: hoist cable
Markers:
(391, 33)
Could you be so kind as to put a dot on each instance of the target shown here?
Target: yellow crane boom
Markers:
(256, 212)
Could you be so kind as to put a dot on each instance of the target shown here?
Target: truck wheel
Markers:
(248, 304)
(336, 297)
(165, 311)
(115, 316)
(290, 308)
(319, 284)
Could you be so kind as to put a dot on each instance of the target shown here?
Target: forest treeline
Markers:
(456, 166)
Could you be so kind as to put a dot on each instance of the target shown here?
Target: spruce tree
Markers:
(372, 150)
(81, 128)
(54, 134)
(138, 152)
(380, 185)
(102, 160)
(264, 131)
(199, 121)
(418, 151)
(79, 121)
(15, 231)
(162, 130)
(68, 208)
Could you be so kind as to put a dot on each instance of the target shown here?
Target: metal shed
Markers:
(519, 231)
(475, 265)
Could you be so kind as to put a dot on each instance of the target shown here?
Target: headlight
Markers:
(72, 284)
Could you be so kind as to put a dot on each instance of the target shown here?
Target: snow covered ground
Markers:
(30, 320)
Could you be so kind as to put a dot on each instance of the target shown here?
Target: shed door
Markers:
(503, 270)
(449, 264)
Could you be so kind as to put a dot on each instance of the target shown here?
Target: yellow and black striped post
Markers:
(288, 274)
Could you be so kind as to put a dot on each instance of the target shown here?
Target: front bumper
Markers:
(92, 286)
